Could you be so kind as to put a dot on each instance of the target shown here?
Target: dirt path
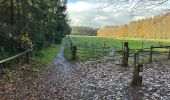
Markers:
(103, 80)
(55, 82)
(61, 64)
(91, 80)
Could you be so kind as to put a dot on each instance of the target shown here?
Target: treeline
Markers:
(82, 30)
(155, 28)
(31, 24)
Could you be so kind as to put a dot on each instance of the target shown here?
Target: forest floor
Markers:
(103, 79)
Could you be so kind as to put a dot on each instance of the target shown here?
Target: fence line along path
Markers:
(18, 55)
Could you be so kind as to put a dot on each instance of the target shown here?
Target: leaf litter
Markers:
(91, 80)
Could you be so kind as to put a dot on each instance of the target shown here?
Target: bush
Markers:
(39, 41)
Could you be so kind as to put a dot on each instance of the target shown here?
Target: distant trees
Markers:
(145, 28)
(82, 30)
(39, 22)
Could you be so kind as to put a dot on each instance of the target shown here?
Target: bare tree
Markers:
(140, 7)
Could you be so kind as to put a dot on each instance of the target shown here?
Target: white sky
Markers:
(89, 13)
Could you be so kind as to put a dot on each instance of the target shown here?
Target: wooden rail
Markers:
(151, 51)
(13, 57)
(105, 48)
(161, 47)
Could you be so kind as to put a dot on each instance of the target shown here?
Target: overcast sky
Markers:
(91, 13)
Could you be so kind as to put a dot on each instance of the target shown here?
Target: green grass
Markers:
(112, 43)
(21, 72)
(40, 62)
(116, 43)
(47, 55)
(67, 51)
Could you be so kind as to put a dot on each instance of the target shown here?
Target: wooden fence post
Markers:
(125, 55)
(135, 71)
(169, 55)
(138, 68)
(28, 57)
(151, 52)
(74, 51)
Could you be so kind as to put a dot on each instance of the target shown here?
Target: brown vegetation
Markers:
(155, 28)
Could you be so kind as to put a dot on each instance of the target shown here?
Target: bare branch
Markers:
(138, 7)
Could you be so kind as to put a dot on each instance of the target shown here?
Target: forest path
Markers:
(102, 80)
(90, 80)
(56, 82)
(83, 80)
(60, 63)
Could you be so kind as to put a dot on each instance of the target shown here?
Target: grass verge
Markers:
(39, 62)
(67, 51)
(45, 57)
(23, 78)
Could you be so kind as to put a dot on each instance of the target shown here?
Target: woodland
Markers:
(83, 30)
(33, 24)
(41, 58)
(149, 28)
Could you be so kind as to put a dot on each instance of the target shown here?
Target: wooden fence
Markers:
(100, 50)
(154, 47)
(128, 52)
(138, 67)
(93, 49)
(104, 47)
(27, 53)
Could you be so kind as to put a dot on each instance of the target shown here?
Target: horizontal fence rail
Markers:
(161, 46)
(18, 55)
(106, 48)
(143, 54)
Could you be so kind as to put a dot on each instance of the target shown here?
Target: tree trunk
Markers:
(2, 50)
(53, 38)
(11, 12)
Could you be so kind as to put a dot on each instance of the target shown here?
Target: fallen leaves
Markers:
(98, 80)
